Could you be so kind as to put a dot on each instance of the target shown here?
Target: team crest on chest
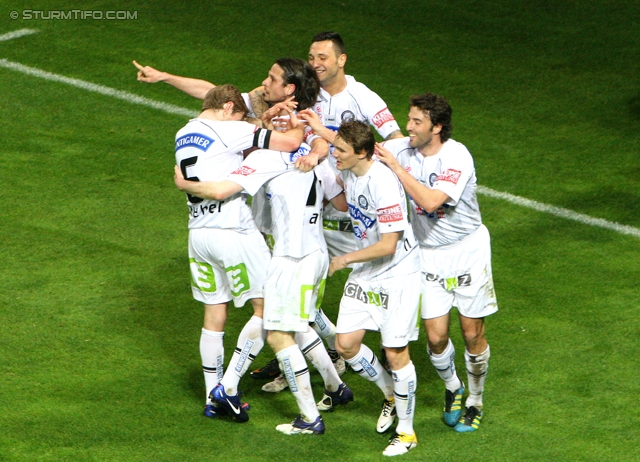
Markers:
(347, 116)
(363, 203)
(432, 178)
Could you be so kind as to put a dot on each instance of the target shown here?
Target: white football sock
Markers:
(367, 365)
(404, 390)
(446, 367)
(295, 370)
(325, 329)
(250, 342)
(477, 367)
(212, 355)
(314, 350)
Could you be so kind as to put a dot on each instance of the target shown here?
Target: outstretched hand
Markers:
(148, 74)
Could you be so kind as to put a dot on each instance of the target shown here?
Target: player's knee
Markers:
(437, 342)
(345, 348)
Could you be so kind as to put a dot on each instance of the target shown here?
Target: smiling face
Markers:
(421, 130)
(275, 88)
(326, 61)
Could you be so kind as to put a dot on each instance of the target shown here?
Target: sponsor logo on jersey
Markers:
(361, 222)
(194, 140)
(302, 151)
(347, 116)
(452, 176)
(389, 214)
(382, 118)
(362, 202)
(353, 290)
(244, 171)
(407, 169)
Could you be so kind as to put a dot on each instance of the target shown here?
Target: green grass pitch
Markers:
(99, 346)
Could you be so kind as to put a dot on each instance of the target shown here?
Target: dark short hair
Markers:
(359, 136)
(220, 95)
(304, 77)
(437, 109)
(333, 37)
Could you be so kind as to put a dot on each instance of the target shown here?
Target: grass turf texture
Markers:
(100, 344)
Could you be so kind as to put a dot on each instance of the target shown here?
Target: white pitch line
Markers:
(560, 212)
(16, 34)
(170, 108)
(123, 95)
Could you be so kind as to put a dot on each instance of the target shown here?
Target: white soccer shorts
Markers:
(459, 275)
(293, 290)
(391, 306)
(227, 265)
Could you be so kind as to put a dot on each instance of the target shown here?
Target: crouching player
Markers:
(382, 292)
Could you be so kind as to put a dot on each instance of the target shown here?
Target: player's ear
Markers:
(290, 89)
(436, 129)
(342, 60)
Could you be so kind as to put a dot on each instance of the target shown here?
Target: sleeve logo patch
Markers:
(194, 140)
(390, 214)
(452, 176)
(244, 171)
(382, 118)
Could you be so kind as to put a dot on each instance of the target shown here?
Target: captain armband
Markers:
(261, 138)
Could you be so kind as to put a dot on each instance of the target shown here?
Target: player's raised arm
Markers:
(193, 87)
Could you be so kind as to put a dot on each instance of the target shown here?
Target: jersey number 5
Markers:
(184, 164)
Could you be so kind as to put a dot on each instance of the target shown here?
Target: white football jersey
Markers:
(378, 205)
(208, 150)
(356, 102)
(451, 171)
(294, 199)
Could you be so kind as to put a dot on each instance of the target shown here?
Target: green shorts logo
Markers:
(238, 279)
(202, 276)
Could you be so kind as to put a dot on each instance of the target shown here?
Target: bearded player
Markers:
(439, 175)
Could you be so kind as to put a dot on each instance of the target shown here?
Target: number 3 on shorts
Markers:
(202, 276)
(238, 279)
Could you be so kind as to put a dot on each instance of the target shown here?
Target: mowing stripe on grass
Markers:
(560, 212)
(170, 108)
(16, 34)
(123, 95)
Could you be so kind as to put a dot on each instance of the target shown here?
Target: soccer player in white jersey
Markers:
(341, 99)
(289, 79)
(228, 256)
(296, 274)
(382, 292)
(439, 175)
